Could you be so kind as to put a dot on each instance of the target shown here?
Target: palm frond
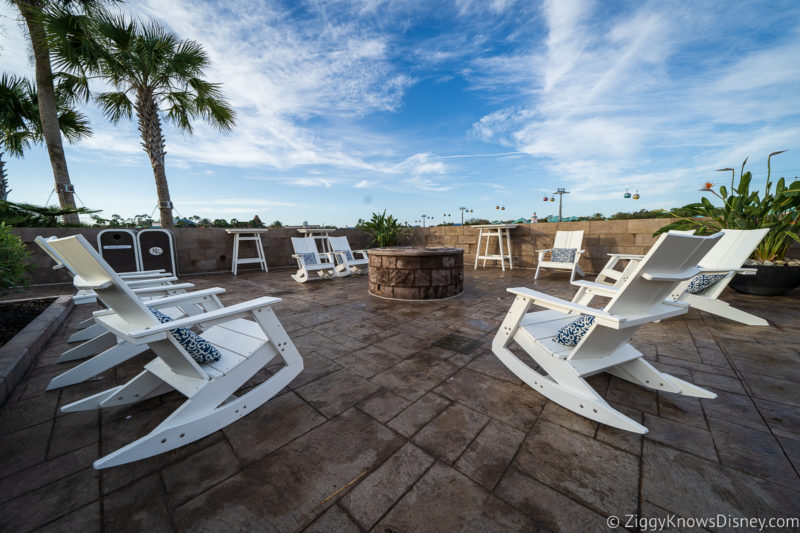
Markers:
(115, 105)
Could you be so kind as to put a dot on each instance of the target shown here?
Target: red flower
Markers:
(708, 186)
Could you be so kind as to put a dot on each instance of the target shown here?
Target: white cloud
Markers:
(363, 184)
(610, 97)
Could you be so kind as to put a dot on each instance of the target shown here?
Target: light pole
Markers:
(463, 209)
(560, 192)
(423, 219)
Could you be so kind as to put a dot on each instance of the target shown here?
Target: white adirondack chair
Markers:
(727, 257)
(564, 240)
(310, 260)
(248, 336)
(148, 284)
(604, 347)
(346, 261)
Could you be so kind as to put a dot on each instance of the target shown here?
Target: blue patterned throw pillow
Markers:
(572, 333)
(347, 253)
(195, 345)
(703, 281)
(309, 258)
(563, 255)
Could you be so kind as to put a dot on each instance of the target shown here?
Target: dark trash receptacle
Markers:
(157, 250)
(119, 248)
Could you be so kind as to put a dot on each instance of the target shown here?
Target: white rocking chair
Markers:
(604, 347)
(310, 260)
(564, 255)
(247, 335)
(726, 258)
(346, 261)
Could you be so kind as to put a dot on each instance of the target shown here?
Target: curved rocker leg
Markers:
(87, 333)
(85, 323)
(201, 415)
(643, 373)
(91, 347)
(97, 364)
(143, 386)
(724, 309)
(301, 276)
(576, 394)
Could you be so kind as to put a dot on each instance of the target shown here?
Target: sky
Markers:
(346, 108)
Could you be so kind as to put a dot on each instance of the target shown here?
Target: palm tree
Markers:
(20, 123)
(151, 69)
(32, 12)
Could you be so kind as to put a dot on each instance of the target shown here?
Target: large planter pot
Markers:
(768, 280)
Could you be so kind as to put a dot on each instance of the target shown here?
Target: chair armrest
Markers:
(187, 297)
(670, 276)
(565, 306)
(726, 270)
(148, 274)
(149, 282)
(599, 288)
(225, 314)
(81, 283)
(628, 256)
(544, 250)
(144, 291)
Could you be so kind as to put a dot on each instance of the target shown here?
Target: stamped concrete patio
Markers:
(403, 420)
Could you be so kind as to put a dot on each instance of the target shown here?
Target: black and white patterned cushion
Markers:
(347, 253)
(309, 258)
(572, 333)
(563, 255)
(195, 345)
(703, 281)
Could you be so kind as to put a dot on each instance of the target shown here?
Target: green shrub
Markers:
(745, 209)
(12, 259)
(385, 231)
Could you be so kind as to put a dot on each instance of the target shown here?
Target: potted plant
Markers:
(385, 231)
(778, 210)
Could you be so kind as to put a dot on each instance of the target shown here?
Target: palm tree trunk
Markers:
(3, 180)
(48, 111)
(153, 143)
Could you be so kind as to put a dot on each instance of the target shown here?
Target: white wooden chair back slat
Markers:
(733, 248)
(672, 255)
(304, 245)
(568, 239)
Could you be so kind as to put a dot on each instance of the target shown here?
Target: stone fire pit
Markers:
(409, 273)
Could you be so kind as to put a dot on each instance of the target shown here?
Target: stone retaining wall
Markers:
(599, 239)
(209, 249)
(199, 250)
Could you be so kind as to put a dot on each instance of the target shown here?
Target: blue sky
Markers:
(346, 108)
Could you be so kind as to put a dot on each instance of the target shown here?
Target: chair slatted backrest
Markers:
(305, 245)
(93, 272)
(673, 255)
(733, 248)
(339, 244)
(44, 244)
(568, 239)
